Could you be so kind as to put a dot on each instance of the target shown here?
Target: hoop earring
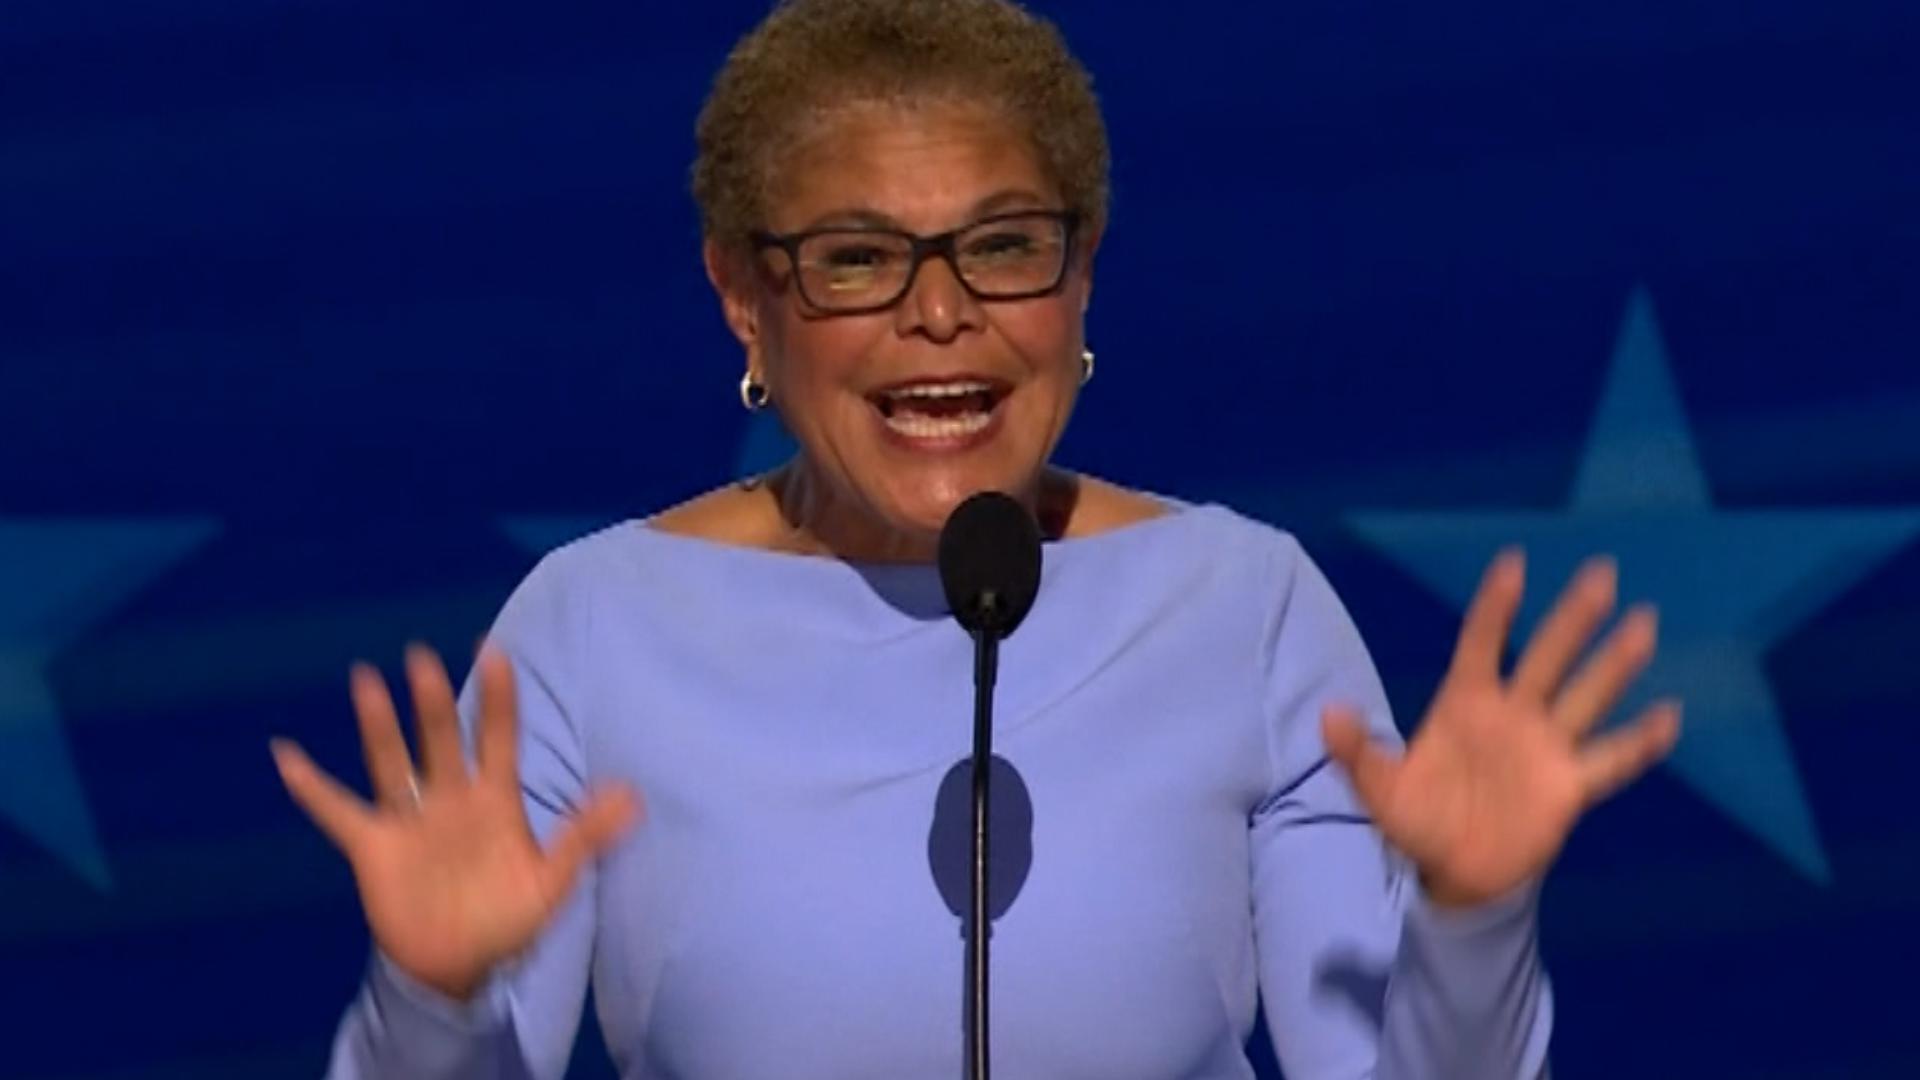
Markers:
(1086, 366)
(754, 393)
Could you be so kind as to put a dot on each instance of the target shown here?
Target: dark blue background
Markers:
(348, 283)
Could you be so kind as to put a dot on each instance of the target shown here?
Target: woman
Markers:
(902, 200)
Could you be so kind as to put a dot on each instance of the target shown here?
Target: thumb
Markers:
(607, 815)
(1372, 769)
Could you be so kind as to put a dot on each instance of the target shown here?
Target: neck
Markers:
(821, 521)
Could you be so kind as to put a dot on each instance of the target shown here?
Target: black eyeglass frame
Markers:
(923, 248)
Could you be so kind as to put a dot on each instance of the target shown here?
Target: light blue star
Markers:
(1729, 583)
(57, 578)
(764, 445)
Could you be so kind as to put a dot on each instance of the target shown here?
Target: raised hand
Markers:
(450, 875)
(1500, 770)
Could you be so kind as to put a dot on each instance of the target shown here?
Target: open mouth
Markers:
(950, 409)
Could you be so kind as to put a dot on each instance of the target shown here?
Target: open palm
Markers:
(451, 877)
(1500, 769)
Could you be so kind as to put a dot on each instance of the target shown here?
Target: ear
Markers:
(731, 272)
(1088, 244)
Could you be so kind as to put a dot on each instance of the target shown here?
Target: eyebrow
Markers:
(866, 218)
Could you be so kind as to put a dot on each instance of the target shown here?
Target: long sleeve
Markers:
(521, 1025)
(1359, 975)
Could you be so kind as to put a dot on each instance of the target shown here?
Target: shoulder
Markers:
(693, 554)
(1202, 555)
(1092, 506)
(725, 518)
(743, 514)
(1099, 505)
(1210, 530)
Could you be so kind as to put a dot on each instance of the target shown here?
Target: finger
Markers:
(1597, 687)
(1615, 760)
(588, 833)
(1483, 633)
(389, 765)
(334, 808)
(1372, 768)
(499, 718)
(436, 716)
(1585, 602)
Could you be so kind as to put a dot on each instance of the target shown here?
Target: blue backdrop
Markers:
(319, 320)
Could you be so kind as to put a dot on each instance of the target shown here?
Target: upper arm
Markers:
(541, 630)
(1329, 895)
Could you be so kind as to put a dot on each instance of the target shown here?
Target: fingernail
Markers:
(1643, 621)
(1603, 575)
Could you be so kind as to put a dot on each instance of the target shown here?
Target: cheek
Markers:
(1049, 340)
(808, 359)
(813, 371)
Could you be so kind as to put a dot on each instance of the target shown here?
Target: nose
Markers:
(937, 304)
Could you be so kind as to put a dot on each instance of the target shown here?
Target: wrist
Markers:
(456, 987)
(1446, 896)
(459, 991)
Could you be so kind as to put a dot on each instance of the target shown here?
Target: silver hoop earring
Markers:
(1086, 366)
(754, 393)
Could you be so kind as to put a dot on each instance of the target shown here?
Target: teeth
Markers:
(927, 427)
(940, 390)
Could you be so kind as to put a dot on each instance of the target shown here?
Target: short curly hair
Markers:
(810, 56)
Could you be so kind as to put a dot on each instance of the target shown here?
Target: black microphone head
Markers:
(990, 562)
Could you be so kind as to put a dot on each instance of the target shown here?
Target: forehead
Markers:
(924, 166)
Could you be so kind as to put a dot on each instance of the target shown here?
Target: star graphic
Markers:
(57, 578)
(764, 445)
(1728, 583)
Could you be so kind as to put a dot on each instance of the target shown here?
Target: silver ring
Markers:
(413, 790)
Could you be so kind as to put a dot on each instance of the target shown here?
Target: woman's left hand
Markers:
(1500, 770)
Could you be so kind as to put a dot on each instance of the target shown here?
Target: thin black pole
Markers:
(986, 655)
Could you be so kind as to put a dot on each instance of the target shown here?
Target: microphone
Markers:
(990, 563)
(990, 570)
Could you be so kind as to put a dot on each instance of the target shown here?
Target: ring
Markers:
(413, 790)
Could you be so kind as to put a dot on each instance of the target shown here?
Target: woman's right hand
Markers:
(450, 875)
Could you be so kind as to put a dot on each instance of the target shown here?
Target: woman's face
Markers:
(860, 392)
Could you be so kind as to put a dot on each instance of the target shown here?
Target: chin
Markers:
(924, 512)
(923, 504)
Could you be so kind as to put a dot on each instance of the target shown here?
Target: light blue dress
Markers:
(789, 720)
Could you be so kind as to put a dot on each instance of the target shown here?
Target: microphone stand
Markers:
(986, 660)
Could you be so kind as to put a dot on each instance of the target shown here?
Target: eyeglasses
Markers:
(853, 271)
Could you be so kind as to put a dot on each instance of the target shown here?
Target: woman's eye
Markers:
(856, 257)
(1001, 245)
